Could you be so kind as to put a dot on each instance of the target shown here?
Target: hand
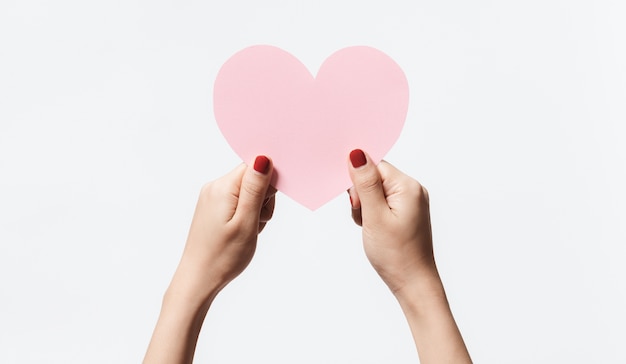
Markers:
(393, 210)
(230, 213)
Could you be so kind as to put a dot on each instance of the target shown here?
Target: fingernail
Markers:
(262, 164)
(357, 157)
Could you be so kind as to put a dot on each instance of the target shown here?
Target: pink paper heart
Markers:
(267, 103)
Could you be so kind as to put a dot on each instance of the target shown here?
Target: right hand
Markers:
(230, 213)
(393, 210)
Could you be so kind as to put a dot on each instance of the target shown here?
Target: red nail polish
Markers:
(357, 157)
(262, 164)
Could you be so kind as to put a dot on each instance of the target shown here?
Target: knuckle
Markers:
(415, 187)
(254, 189)
(425, 194)
(207, 190)
(243, 226)
(416, 191)
(369, 183)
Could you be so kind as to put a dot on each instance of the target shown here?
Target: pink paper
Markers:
(266, 102)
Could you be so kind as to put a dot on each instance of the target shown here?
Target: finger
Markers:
(254, 187)
(368, 185)
(222, 194)
(267, 211)
(397, 186)
(355, 203)
(271, 191)
(261, 226)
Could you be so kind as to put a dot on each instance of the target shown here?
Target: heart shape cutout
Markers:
(266, 102)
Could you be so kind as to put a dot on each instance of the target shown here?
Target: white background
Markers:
(515, 125)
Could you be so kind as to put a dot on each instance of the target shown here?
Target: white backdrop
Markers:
(516, 126)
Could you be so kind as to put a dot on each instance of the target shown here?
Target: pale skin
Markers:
(391, 207)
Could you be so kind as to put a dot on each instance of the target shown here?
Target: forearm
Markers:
(180, 321)
(428, 313)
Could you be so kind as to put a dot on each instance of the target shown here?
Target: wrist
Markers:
(422, 294)
(182, 309)
(191, 288)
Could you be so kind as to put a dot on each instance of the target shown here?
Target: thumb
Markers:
(254, 186)
(368, 184)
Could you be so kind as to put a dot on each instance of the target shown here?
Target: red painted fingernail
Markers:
(357, 157)
(262, 164)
